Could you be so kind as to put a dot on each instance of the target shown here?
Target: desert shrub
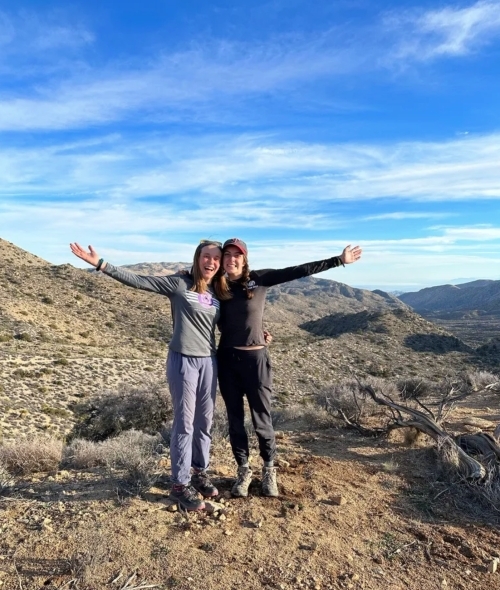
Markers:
(478, 380)
(5, 337)
(25, 337)
(313, 415)
(83, 454)
(6, 480)
(134, 452)
(32, 456)
(220, 426)
(143, 407)
(348, 397)
(61, 361)
(47, 300)
(413, 388)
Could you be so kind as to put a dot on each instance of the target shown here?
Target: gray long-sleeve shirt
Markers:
(194, 315)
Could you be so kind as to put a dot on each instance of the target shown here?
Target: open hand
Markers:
(350, 255)
(91, 256)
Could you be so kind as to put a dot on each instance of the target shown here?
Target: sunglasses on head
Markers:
(212, 242)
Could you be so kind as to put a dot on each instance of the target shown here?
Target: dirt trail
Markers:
(396, 527)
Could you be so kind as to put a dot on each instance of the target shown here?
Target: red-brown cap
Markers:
(240, 244)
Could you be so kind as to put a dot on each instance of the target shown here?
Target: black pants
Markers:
(247, 373)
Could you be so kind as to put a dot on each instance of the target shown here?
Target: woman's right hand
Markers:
(91, 256)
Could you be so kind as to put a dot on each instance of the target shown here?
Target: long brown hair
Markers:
(219, 281)
(245, 277)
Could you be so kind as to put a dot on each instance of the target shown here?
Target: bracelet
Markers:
(99, 264)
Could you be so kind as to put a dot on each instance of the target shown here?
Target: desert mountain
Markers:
(66, 333)
(483, 295)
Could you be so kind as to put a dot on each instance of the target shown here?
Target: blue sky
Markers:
(141, 127)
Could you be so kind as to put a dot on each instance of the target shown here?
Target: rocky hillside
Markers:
(66, 333)
(481, 295)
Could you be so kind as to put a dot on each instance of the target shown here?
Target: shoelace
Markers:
(243, 475)
(268, 476)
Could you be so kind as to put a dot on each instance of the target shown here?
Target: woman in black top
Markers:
(243, 359)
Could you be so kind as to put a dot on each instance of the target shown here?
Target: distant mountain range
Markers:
(476, 296)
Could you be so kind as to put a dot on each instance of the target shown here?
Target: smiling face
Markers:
(209, 262)
(233, 261)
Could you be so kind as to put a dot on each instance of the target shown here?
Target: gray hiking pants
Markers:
(192, 381)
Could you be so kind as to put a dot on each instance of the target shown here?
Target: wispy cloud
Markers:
(400, 215)
(255, 169)
(449, 31)
(172, 86)
(202, 79)
(28, 33)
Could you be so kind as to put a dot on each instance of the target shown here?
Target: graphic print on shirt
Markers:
(205, 300)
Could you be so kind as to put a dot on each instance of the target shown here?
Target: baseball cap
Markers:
(240, 244)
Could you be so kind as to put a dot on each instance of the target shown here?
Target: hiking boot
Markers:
(269, 483)
(201, 483)
(242, 483)
(186, 497)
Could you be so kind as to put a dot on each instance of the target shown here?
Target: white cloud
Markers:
(262, 175)
(34, 34)
(170, 87)
(449, 31)
(400, 215)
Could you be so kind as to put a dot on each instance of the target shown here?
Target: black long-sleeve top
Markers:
(241, 319)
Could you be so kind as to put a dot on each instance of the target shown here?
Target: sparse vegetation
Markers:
(143, 407)
(32, 456)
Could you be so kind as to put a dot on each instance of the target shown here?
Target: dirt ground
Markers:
(352, 513)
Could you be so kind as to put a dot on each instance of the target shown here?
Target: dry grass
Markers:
(349, 397)
(35, 455)
(479, 499)
(86, 565)
(478, 380)
(132, 451)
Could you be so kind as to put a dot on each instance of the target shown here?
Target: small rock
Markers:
(279, 434)
(282, 463)
(212, 507)
(338, 500)
(444, 583)
(222, 517)
(172, 507)
(493, 565)
(228, 533)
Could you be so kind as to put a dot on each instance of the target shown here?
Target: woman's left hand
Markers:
(268, 338)
(350, 255)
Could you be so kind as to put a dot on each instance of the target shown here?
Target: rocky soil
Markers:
(352, 513)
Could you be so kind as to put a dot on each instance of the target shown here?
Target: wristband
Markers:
(99, 264)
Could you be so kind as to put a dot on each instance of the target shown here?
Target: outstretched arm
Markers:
(91, 256)
(163, 285)
(271, 277)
